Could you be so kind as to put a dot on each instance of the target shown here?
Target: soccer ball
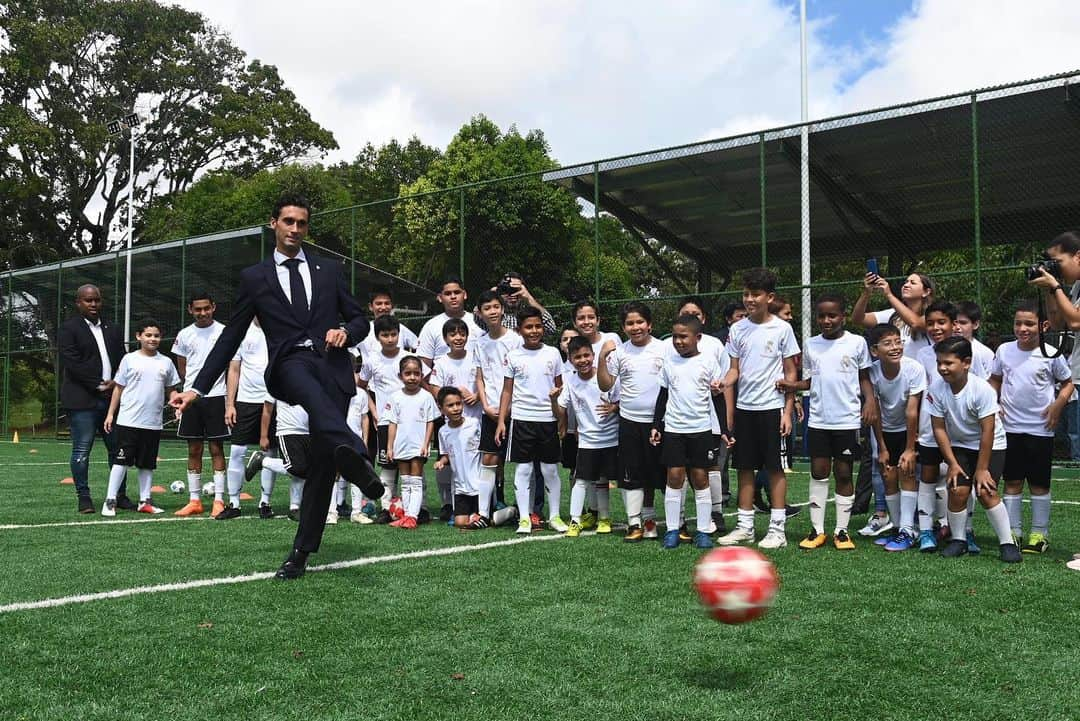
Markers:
(397, 508)
(208, 489)
(736, 584)
(176, 486)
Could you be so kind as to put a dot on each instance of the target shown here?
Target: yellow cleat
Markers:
(574, 530)
(588, 521)
(843, 541)
(603, 525)
(814, 540)
(193, 508)
(217, 508)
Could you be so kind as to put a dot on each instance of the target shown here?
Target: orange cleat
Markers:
(217, 508)
(408, 522)
(193, 508)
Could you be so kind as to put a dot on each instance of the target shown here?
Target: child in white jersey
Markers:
(457, 368)
(292, 440)
(411, 413)
(381, 373)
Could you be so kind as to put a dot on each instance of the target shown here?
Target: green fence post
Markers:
(7, 353)
(975, 188)
(183, 281)
(761, 175)
(56, 351)
(352, 251)
(596, 227)
(461, 234)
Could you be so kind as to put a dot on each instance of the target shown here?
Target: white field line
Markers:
(95, 463)
(263, 575)
(121, 522)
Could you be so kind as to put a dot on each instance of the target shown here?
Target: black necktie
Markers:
(297, 294)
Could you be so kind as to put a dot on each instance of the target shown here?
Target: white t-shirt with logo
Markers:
(912, 345)
(491, 356)
(289, 420)
(383, 375)
(459, 373)
(982, 359)
(144, 378)
(893, 394)
(411, 413)
(689, 394)
(194, 344)
(534, 373)
(637, 369)
(406, 340)
(1028, 380)
(710, 345)
(582, 397)
(253, 358)
(833, 369)
(462, 445)
(431, 344)
(928, 359)
(963, 411)
(761, 349)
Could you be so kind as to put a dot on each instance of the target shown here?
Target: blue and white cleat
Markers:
(702, 540)
(900, 542)
(927, 542)
(671, 539)
(973, 548)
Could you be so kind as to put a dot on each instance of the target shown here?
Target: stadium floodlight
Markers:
(116, 128)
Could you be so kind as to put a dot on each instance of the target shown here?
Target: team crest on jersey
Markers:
(1042, 375)
(846, 362)
(657, 364)
(549, 368)
(770, 346)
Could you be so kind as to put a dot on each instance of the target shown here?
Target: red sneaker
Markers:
(650, 529)
(397, 523)
(408, 522)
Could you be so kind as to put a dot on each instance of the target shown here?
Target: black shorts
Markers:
(487, 437)
(466, 505)
(757, 440)
(1028, 458)
(137, 447)
(967, 458)
(593, 464)
(570, 451)
(382, 439)
(836, 445)
(642, 468)
(533, 441)
(295, 453)
(688, 450)
(440, 421)
(929, 455)
(248, 424)
(895, 444)
(204, 420)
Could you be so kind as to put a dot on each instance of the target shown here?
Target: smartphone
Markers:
(872, 266)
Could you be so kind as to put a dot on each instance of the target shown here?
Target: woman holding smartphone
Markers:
(905, 312)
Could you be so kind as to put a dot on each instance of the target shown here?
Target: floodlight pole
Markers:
(130, 239)
(804, 182)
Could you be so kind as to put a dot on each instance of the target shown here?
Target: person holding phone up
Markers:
(905, 312)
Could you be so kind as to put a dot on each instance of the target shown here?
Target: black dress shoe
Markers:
(126, 504)
(355, 468)
(86, 504)
(293, 568)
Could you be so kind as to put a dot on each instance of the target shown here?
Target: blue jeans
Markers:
(1070, 418)
(86, 424)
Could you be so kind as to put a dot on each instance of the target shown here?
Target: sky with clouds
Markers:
(604, 78)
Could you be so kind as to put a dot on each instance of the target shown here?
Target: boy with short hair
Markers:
(245, 392)
(530, 375)
(457, 368)
(968, 319)
(382, 303)
(963, 412)
(837, 368)
(142, 382)
(762, 349)
(1024, 378)
(596, 411)
(411, 413)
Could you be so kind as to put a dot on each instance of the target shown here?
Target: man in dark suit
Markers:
(300, 299)
(90, 353)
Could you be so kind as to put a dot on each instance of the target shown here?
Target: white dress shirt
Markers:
(283, 274)
(99, 336)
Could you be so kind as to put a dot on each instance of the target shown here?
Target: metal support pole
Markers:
(975, 191)
(7, 353)
(804, 177)
(461, 235)
(56, 351)
(183, 282)
(130, 238)
(761, 176)
(596, 228)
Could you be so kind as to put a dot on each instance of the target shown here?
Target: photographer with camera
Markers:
(515, 296)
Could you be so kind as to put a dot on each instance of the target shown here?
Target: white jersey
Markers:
(928, 359)
(459, 373)
(833, 369)
(963, 411)
(982, 358)
(194, 345)
(383, 375)
(534, 373)
(253, 358)
(637, 369)
(596, 347)
(406, 340)
(491, 356)
(1028, 380)
(711, 345)
(912, 344)
(761, 349)
(689, 395)
(411, 414)
(462, 446)
(144, 378)
(289, 420)
(893, 394)
(581, 397)
(431, 344)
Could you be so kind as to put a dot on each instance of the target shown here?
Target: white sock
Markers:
(941, 500)
(116, 477)
(234, 472)
(486, 487)
(892, 503)
(1040, 513)
(416, 494)
(219, 487)
(194, 485)
(716, 490)
(745, 521)
(958, 524)
(908, 500)
(843, 511)
(777, 519)
(339, 496)
(1014, 508)
(672, 507)
(819, 492)
(445, 480)
(523, 488)
(999, 519)
(633, 500)
(603, 499)
(296, 491)
(356, 498)
(275, 465)
(703, 501)
(266, 478)
(926, 505)
(578, 493)
(146, 479)
(553, 485)
(388, 476)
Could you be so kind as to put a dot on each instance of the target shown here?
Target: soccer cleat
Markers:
(955, 548)
(383, 517)
(535, 523)
(109, 507)
(446, 513)
(408, 523)
(193, 508)
(217, 508)
(812, 541)
(332, 517)
(1036, 543)
(294, 514)
(148, 507)
(558, 525)
(1010, 553)
(842, 541)
(228, 512)
(876, 526)
(972, 547)
(424, 516)
(126, 504)
(718, 525)
(254, 464)
(603, 525)
(702, 540)
(265, 511)
(792, 510)
(927, 542)
(649, 529)
(884, 538)
(588, 521)
(672, 539)
(397, 523)
(362, 518)
(524, 527)
(900, 542)
(684, 534)
(774, 538)
(739, 535)
(634, 534)
(574, 530)
(479, 522)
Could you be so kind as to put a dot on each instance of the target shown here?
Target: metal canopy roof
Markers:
(896, 180)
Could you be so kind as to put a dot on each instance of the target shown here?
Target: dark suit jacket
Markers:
(260, 296)
(80, 360)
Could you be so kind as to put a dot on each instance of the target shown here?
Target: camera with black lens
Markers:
(1050, 265)
(506, 286)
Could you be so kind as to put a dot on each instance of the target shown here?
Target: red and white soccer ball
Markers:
(397, 508)
(736, 584)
